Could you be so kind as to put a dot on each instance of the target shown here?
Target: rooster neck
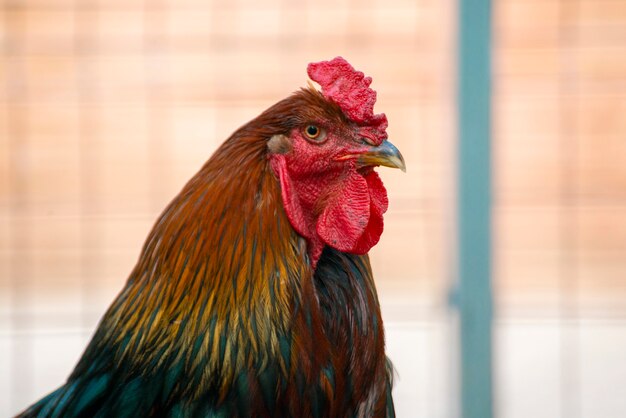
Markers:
(222, 307)
(221, 270)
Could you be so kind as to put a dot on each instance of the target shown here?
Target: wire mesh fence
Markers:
(109, 107)
(559, 223)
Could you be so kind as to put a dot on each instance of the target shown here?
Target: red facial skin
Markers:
(330, 201)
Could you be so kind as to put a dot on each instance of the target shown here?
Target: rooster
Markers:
(253, 294)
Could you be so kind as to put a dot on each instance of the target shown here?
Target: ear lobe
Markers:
(279, 144)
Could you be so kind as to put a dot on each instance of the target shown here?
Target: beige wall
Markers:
(107, 107)
(560, 156)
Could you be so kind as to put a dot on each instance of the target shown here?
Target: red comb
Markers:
(349, 88)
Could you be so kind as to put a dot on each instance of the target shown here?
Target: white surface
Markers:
(530, 357)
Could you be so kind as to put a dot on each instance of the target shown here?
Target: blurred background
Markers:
(108, 107)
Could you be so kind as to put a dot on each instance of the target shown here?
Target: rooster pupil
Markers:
(312, 131)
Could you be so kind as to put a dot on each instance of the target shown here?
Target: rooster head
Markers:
(325, 160)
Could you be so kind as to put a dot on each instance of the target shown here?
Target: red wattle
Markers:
(346, 215)
(378, 206)
(352, 216)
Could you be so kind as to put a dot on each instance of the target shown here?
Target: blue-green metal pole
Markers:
(474, 207)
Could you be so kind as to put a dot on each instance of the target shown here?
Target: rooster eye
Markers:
(314, 132)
